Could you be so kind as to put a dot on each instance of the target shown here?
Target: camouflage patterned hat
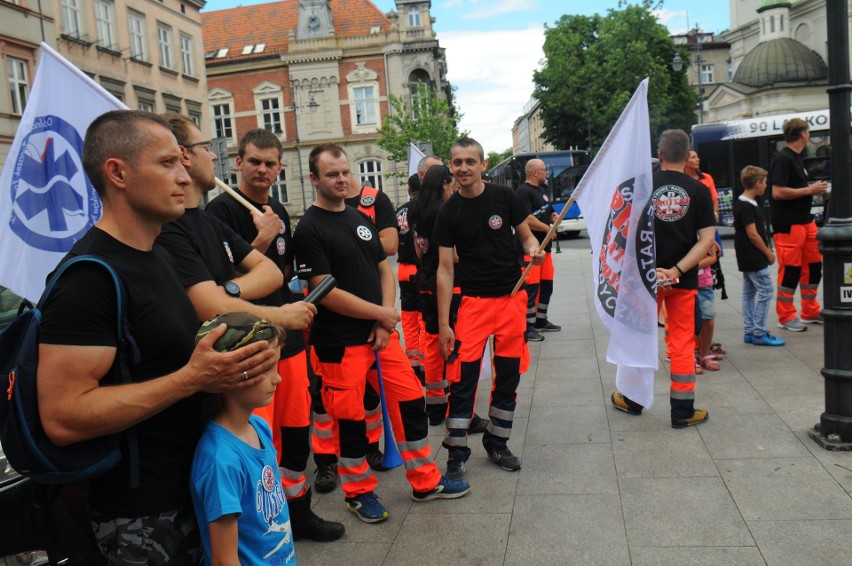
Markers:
(243, 329)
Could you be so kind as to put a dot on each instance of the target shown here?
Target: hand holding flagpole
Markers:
(547, 238)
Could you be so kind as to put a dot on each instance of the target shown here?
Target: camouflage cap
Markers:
(243, 329)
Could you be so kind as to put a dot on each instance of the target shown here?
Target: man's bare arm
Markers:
(260, 276)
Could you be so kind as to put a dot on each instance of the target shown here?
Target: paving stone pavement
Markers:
(598, 486)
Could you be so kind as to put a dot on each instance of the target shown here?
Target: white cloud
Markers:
(676, 20)
(493, 73)
(499, 8)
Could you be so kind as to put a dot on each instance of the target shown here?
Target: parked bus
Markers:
(564, 170)
(726, 147)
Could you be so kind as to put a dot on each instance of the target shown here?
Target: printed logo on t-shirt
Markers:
(281, 246)
(229, 252)
(283, 228)
(402, 221)
(364, 233)
(367, 200)
(671, 202)
(421, 243)
(269, 503)
(495, 222)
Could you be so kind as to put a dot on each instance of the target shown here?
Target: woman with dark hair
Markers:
(435, 189)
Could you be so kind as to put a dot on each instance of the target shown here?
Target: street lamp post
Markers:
(313, 105)
(677, 65)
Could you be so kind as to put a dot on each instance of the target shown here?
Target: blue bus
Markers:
(726, 147)
(564, 171)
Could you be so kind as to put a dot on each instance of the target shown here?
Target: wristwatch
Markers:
(232, 289)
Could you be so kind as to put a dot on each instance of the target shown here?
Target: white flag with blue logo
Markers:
(46, 201)
(615, 196)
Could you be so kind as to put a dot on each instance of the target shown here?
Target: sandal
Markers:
(709, 363)
(717, 348)
(698, 369)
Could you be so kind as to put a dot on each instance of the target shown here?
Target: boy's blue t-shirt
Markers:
(230, 477)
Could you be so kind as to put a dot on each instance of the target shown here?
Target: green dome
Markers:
(782, 60)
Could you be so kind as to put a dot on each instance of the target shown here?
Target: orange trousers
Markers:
(680, 307)
(799, 264)
(412, 322)
(345, 373)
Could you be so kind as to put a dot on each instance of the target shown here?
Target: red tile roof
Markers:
(271, 24)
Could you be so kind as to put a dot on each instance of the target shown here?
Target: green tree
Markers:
(495, 157)
(423, 117)
(594, 63)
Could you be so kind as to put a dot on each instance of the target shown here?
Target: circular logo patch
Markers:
(671, 202)
(53, 202)
(267, 478)
(283, 228)
(495, 222)
(281, 246)
(364, 233)
(367, 200)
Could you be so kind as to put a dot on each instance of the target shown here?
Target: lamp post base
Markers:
(831, 442)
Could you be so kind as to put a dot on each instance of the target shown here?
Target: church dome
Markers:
(781, 60)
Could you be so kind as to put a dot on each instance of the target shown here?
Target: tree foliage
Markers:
(594, 63)
(495, 157)
(422, 117)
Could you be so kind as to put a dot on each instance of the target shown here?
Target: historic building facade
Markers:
(319, 71)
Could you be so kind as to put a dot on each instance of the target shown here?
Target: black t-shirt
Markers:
(82, 311)
(481, 229)
(536, 201)
(406, 252)
(682, 207)
(749, 258)
(788, 170)
(280, 251)
(346, 245)
(383, 212)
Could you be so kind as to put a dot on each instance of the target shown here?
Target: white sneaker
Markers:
(793, 325)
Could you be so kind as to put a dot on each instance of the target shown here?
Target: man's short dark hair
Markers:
(469, 142)
(674, 146)
(423, 164)
(332, 148)
(793, 129)
(261, 139)
(181, 127)
(116, 134)
(414, 183)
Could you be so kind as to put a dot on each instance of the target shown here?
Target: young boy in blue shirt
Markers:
(236, 489)
(754, 258)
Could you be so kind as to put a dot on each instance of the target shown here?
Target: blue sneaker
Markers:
(446, 489)
(768, 340)
(367, 507)
(748, 338)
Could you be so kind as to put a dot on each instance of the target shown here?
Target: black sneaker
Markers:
(326, 478)
(374, 458)
(436, 413)
(478, 425)
(547, 326)
(503, 457)
(455, 470)
(532, 335)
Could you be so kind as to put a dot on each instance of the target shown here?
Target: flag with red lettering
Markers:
(46, 201)
(615, 196)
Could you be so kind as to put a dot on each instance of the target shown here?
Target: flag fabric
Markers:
(615, 196)
(414, 157)
(46, 201)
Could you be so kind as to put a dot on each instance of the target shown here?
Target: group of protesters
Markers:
(241, 379)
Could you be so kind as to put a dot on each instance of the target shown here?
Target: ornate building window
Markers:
(164, 38)
(19, 84)
(363, 88)
(222, 110)
(414, 17)
(136, 29)
(370, 174)
(105, 24)
(269, 102)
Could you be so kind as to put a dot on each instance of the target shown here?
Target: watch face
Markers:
(232, 289)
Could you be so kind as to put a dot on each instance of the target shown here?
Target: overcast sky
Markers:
(493, 47)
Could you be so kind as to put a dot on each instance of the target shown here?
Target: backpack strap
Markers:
(367, 202)
(127, 346)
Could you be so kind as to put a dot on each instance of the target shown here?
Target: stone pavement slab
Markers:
(598, 486)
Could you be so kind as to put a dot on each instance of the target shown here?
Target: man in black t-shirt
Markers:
(540, 278)
(134, 163)
(407, 267)
(201, 234)
(354, 331)
(478, 221)
(799, 260)
(684, 231)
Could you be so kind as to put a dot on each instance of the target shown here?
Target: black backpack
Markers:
(25, 444)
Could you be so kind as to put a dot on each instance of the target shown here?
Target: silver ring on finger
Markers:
(245, 375)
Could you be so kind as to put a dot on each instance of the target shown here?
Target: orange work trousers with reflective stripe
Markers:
(289, 417)
(680, 307)
(345, 373)
(412, 322)
(798, 254)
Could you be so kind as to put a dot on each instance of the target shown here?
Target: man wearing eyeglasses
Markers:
(539, 281)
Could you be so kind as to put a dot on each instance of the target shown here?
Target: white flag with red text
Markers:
(46, 201)
(615, 197)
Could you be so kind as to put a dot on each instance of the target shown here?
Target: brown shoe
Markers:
(698, 417)
(620, 403)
